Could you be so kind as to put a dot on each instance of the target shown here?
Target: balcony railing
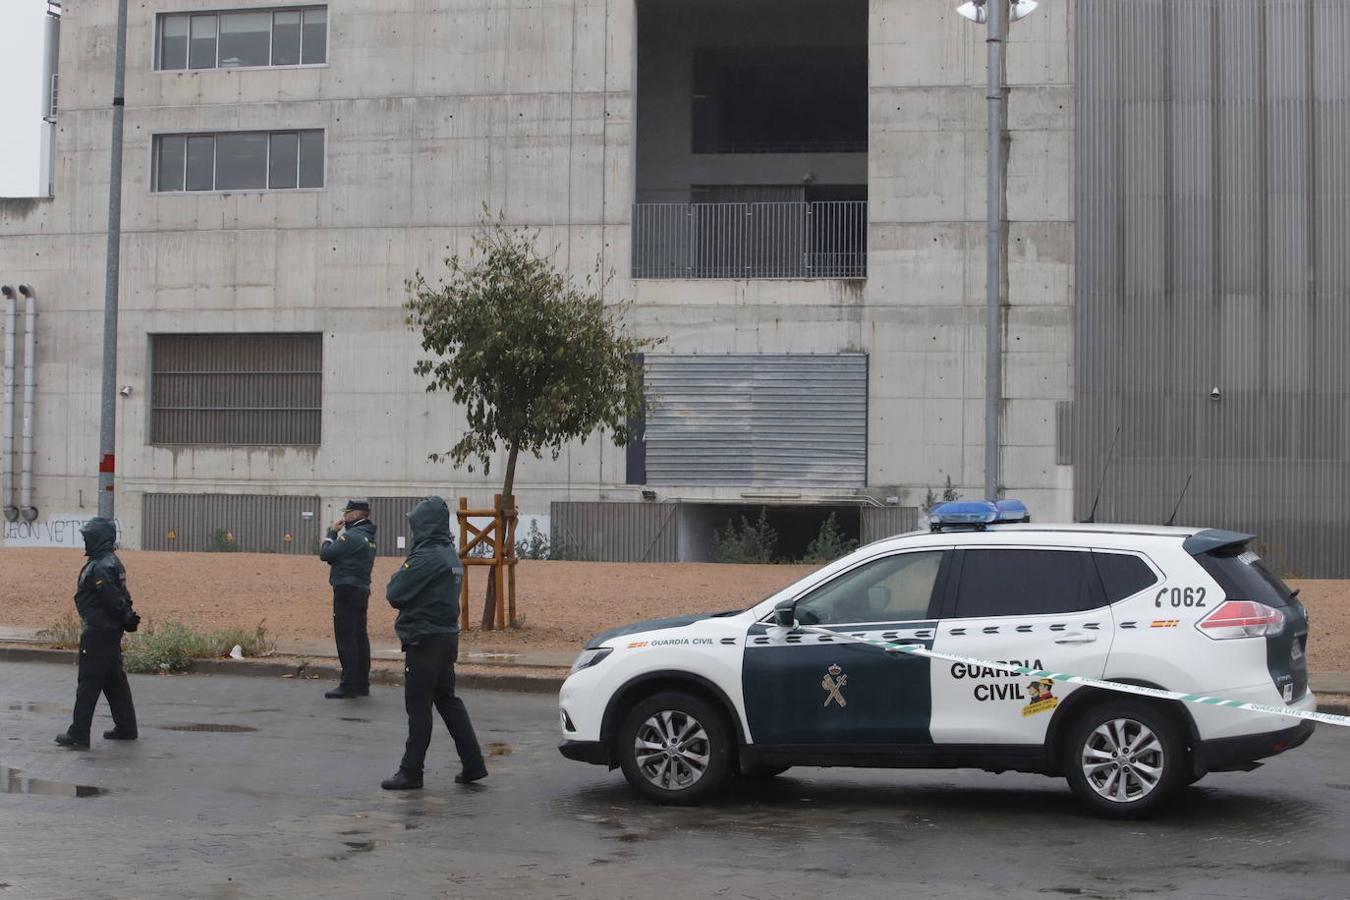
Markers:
(824, 239)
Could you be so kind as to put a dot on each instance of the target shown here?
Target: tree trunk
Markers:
(490, 598)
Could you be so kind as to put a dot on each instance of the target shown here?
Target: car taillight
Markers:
(1241, 619)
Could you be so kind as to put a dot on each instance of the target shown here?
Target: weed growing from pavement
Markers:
(64, 633)
(171, 646)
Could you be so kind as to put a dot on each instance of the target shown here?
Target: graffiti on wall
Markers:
(60, 530)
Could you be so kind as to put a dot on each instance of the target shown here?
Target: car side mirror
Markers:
(785, 614)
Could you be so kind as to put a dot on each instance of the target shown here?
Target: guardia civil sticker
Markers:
(833, 683)
(1042, 694)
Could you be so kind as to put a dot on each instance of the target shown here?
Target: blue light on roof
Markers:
(1012, 511)
(977, 514)
(963, 513)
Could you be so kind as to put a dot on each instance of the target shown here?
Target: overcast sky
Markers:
(21, 96)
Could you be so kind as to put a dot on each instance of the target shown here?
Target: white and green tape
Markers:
(1155, 693)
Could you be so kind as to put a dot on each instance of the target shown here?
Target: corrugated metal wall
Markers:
(757, 419)
(245, 389)
(390, 515)
(1213, 226)
(615, 532)
(880, 523)
(258, 523)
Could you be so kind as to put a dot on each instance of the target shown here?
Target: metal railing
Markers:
(824, 239)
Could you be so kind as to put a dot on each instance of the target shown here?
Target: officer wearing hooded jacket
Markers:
(104, 606)
(349, 549)
(425, 591)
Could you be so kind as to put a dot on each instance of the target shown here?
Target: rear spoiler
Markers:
(1214, 539)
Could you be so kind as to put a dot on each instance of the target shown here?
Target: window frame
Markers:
(156, 61)
(1158, 576)
(941, 584)
(1091, 579)
(156, 142)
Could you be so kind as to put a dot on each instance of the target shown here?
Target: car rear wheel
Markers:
(1125, 759)
(674, 748)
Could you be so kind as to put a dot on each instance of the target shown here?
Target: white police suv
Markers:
(681, 704)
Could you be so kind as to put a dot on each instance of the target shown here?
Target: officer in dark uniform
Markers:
(349, 548)
(105, 609)
(425, 591)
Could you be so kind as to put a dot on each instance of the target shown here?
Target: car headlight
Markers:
(589, 658)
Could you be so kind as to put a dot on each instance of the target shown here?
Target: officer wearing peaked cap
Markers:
(349, 549)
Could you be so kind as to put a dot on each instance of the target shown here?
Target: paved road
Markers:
(294, 809)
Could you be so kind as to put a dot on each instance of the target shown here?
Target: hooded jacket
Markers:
(425, 591)
(101, 596)
(350, 554)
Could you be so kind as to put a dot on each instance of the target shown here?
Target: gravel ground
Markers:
(561, 603)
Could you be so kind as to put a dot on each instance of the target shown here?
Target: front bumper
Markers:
(1241, 753)
(585, 751)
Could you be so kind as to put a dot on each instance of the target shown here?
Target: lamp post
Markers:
(107, 433)
(995, 17)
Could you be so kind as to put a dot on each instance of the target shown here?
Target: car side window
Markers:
(1123, 574)
(1017, 582)
(892, 589)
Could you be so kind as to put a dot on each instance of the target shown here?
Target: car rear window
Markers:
(1015, 582)
(1123, 574)
(1243, 576)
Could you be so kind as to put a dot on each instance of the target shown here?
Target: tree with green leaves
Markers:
(534, 359)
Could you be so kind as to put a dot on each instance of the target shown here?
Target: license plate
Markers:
(1288, 693)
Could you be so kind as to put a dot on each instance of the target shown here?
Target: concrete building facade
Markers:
(566, 116)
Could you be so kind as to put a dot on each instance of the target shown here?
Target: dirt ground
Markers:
(561, 603)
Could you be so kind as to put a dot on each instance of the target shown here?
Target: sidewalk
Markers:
(512, 670)
(325, 649)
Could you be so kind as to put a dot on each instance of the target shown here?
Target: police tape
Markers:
(1155, 693)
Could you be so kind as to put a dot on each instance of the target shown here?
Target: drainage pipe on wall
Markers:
(26, 508)
(7, 422)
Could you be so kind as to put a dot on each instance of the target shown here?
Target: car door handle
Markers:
(1076, 637)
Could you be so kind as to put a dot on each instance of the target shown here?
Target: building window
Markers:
(236, 389)
(239, 161)
(244, 39)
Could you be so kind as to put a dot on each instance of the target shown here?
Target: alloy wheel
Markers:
(1123, 760)
(671, 750)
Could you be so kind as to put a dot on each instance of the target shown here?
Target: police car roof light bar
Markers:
(1012, 511)
(974, 514)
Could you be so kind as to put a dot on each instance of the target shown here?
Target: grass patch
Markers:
(171, 646)
(64, 633)
(168, 646)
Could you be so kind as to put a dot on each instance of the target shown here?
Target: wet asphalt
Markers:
(250, 787)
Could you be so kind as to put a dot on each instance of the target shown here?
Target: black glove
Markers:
(131, 621)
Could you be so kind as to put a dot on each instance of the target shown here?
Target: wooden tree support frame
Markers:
(498, 536)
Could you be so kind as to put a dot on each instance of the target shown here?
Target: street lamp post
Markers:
(995, 17)
(107, 432)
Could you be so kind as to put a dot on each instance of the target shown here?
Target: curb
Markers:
(483, 681)
(486, 681)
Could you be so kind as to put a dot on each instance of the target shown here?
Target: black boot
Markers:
(117, 734)
(70, 742)
(341, 693)
(469, 776)
(402, 780)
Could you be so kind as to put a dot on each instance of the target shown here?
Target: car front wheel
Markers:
(1125, 760)
(674, 748)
